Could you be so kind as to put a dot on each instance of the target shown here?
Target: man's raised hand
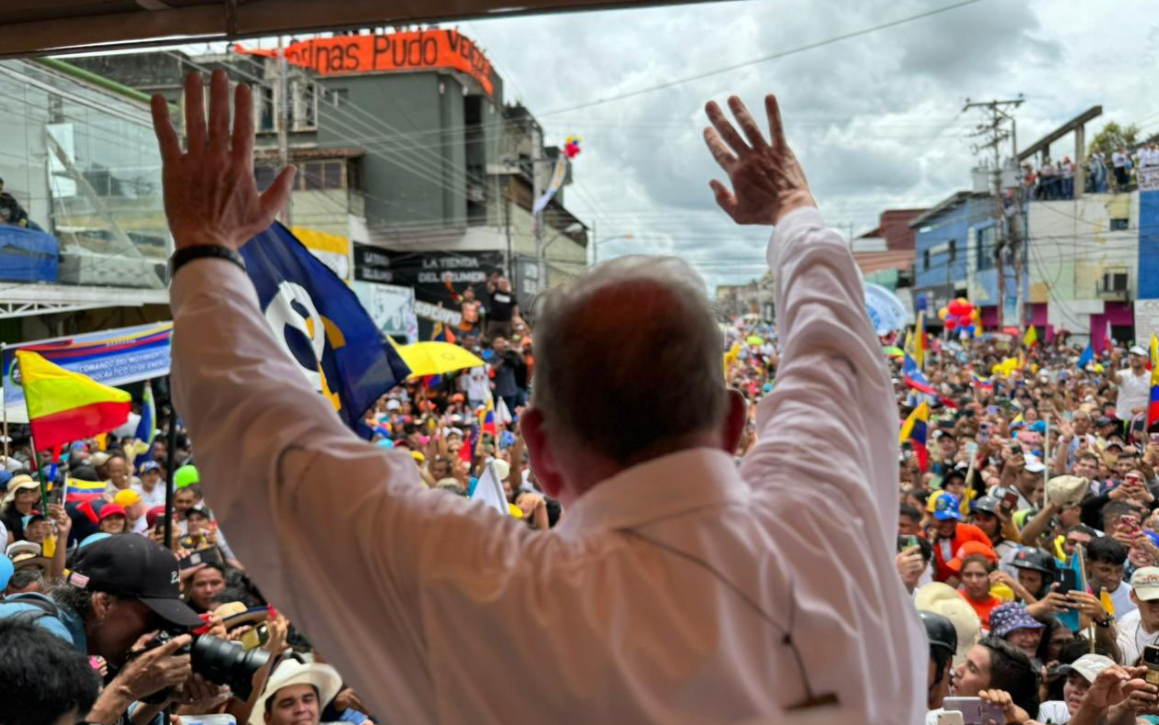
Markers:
(211, 196)
(767, 181)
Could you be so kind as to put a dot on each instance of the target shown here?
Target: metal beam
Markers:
(89, 25)
(1071, 125)
(9, 310)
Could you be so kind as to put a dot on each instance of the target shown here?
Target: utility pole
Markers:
(993, 132)
(287, 215)
(537, 220)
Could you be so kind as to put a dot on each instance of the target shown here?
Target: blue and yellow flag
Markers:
(321, 325)
(146, 428)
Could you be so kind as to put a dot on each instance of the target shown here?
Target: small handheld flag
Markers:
(914, 432)
(914, 377)
(1153, 406)
(146, 427)
(1087, 357)
(489, 490)
(1031, 336)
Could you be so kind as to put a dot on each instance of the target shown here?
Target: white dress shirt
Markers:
(664, 594)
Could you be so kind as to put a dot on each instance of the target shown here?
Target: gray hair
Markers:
(628, 357)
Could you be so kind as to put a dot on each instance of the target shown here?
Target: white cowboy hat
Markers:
(324, 678)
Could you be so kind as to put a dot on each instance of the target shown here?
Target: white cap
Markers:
(1138, 351)
(1145, 583)
(324, 678)
(393, 404)
(1089, 666)
(1034, 465)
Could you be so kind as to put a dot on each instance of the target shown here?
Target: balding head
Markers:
(628, 363)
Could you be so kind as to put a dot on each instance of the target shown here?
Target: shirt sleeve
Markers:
(339, 533)
(831, 421)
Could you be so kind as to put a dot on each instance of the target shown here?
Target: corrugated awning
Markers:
(871, 262)
(31, 27)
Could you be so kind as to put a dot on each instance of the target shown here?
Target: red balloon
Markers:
(967, 309)
(951, 323)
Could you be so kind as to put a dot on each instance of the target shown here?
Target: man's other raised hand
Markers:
(767, 181)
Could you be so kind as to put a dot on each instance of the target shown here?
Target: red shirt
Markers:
(982, 610)
(946, 549)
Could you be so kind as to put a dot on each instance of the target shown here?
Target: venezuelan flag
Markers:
(442, 333)
(78, 491)
(1031, 336)
(487, 419)
(920, 340)
(1153, 407)
(979, 382)
(914, 377)
(914, 431)
(64, 406)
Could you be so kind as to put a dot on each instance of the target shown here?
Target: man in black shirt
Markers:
(503, 307)
(10, 210)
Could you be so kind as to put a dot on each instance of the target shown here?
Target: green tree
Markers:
(1113, 137)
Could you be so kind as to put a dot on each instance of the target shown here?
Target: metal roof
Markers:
(31, 27)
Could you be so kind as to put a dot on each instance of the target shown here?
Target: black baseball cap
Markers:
(134, 567)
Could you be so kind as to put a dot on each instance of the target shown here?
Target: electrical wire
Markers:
(764, 59)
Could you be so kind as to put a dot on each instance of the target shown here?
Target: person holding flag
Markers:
(663, 531)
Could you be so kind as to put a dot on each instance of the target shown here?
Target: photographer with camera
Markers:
(118, 593)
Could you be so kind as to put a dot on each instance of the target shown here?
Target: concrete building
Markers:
(78, 153)
(406, 148)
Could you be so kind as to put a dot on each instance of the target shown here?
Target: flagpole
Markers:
(35, 456)
(4, 347)
(170, 457)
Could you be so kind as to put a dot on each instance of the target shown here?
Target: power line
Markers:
(765, 59)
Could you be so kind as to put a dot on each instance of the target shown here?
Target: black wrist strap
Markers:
(184, 256)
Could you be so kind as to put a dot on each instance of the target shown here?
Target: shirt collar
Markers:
(670, 485)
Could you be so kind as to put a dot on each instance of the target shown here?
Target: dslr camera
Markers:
(218, 660)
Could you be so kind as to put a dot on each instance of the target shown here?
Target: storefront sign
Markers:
(390, 307)
(408, 51)
(437, 277)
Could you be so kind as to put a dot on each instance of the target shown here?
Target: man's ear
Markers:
(534, 428)
(734, 421)
(102, 603)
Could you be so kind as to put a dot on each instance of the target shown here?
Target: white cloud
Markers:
(875, 119)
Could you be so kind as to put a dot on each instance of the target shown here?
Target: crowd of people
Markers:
(1026, 485)
(1054, 180)
(1029, 537)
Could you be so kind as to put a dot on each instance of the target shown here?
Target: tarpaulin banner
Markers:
(112, 357)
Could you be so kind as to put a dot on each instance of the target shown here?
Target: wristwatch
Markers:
(1106, 622)
(184, 256)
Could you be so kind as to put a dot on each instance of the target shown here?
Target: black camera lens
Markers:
(225, 663)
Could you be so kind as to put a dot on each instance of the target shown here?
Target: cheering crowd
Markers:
(698, 534)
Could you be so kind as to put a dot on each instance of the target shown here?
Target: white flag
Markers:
(502, 413)
(490, 491)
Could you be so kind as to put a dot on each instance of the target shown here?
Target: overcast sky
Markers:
(876, 120)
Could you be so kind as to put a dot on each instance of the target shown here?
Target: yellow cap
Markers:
(127, 497)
